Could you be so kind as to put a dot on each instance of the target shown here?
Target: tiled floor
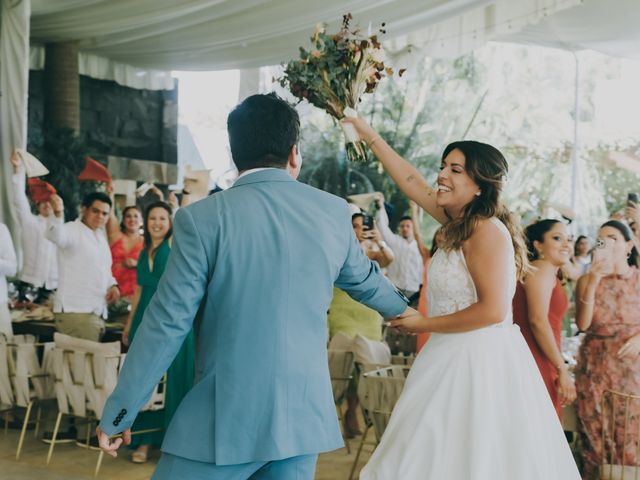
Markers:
(70, 462)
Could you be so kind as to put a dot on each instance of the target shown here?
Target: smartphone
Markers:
(367, 223)
(632, 199)
(603, 252)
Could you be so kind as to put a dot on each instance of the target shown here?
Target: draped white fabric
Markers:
(105, 69)
(14, 74)
(609, 27)
(473, 27)
(225, 34)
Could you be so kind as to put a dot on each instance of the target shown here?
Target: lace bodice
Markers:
(450, 287)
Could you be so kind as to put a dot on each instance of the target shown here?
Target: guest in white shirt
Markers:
(85, 283)
(39, 265)
(8, 266)
(407, 269)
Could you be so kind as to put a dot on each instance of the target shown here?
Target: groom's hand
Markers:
(410, 321)
(110, 447)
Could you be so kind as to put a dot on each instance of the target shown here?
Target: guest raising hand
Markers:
(125, 242)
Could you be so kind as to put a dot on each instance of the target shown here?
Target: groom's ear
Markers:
(294, 161)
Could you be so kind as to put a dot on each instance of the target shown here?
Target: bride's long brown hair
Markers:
(487, 167)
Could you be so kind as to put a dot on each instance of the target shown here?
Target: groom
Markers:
(254, 266)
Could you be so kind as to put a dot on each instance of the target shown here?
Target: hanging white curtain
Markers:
(14, 81)
(105, 69)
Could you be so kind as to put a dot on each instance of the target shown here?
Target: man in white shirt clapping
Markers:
(85, 283)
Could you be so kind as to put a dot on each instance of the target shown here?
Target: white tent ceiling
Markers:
(606, 26)
(225, 34)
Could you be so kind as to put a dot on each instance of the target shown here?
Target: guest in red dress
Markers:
(539, 306)
(126, 243)
(608, 311)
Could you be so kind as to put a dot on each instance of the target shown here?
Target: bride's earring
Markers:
(478, 193)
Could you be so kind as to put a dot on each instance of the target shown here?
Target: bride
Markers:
(474, 406)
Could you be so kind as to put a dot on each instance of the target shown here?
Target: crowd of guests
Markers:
(599, 276)
(98, 269)
(127, 257)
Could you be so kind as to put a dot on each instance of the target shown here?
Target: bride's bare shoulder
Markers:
(487, 234)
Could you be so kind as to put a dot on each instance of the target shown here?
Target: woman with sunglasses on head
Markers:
(608, 311)
(474, 405)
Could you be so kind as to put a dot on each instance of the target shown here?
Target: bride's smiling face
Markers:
(455, 187)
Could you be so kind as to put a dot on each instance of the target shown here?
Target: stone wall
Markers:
(116, 120)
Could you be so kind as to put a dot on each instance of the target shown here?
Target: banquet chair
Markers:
(400, 342)
(378, 392)
(6, 392)
(403, 359)
(23, 380)
(156, 402)
(86, 373)
(617, 406)
(341, 370)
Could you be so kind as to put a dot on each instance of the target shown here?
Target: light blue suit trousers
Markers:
(171, 467)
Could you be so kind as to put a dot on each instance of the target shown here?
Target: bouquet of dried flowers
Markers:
(336, 73)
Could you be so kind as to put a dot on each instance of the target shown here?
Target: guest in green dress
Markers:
(151, 264)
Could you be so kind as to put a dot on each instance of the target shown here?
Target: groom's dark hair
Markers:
(262, 129)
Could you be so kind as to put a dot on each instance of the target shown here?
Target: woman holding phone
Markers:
(607, 310)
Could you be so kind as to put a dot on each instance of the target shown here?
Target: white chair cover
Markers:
(86, 373)
(371, 352)
(341, 341)
(30, 380)
(6, 392)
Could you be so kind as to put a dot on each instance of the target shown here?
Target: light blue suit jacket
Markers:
(259, 260)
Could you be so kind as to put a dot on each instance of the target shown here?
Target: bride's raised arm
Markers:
(408, 178)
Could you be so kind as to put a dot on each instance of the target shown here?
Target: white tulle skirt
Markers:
(474, 407)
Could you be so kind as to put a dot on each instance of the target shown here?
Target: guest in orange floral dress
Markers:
(539, 306)
(608, 310)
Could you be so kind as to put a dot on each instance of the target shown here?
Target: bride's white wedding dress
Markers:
(474, 406)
